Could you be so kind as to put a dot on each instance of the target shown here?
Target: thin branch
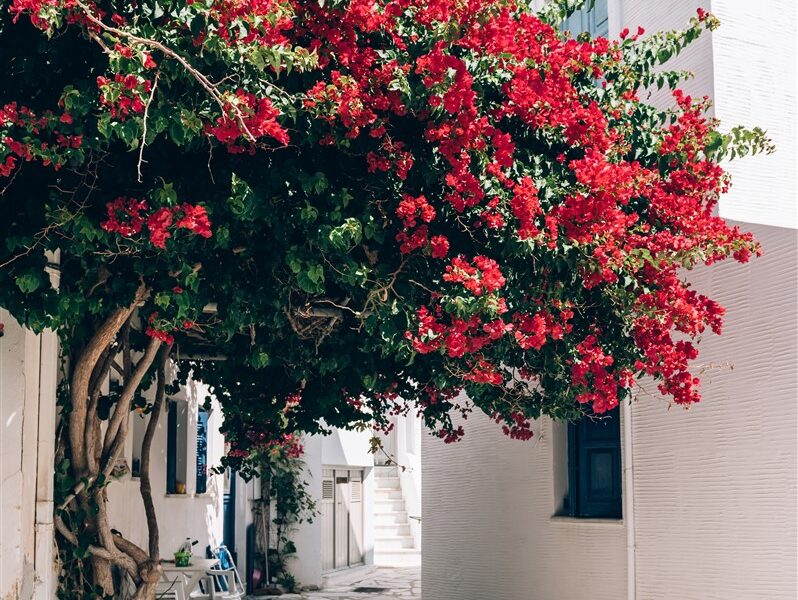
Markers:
(10, 181)
(93, 36)
(119, 558)
(145, 486)
(117, 427)
(144, 133)
(341, 307)
(206, 83)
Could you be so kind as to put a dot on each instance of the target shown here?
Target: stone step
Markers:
(387, 494)
(390, 505)
(390, 518)
(383, 471)
(406, 557)
(392, 530)
(388, 483)
(392, 542)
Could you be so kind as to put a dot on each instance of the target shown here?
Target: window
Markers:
(176, 445)
(202, 451)
(140, 422)
(594, 467)
(592, 18)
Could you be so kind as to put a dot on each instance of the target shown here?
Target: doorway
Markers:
(341, 518)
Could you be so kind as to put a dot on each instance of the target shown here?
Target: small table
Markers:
(192, 573)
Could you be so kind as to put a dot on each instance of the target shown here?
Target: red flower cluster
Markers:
(125, 217)
(593, 373)
(412, 210)
(42, 138)
(248, 119)
(159, 329)
(484, 372)
(481, 276)
(39, 10)
(526, 208)
(246, 21)
(124, 94)
(517, 427)
(532, 331)
(459, 338)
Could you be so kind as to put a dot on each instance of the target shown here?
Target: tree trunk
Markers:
(94, 456)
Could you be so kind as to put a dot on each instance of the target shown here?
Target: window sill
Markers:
(566, 520)
(186, 495)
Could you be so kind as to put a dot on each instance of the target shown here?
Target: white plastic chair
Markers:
(226, 583)
(205, 583)
(170, 588)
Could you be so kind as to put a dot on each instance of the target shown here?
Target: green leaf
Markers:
(29, 282)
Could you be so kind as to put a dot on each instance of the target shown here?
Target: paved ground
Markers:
(398, 583)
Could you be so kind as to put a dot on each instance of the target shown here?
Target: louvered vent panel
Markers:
(327, 489)
(357, 490)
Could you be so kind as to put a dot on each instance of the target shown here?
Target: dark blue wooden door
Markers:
(229, 525)
(594, 447)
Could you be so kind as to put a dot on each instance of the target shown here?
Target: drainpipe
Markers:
(629, 502)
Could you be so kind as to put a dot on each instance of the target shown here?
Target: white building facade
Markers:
(28, 369)
(369, 505)
(188, 497)
(709, 494)
(364, 507)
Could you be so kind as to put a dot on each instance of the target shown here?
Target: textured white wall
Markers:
(196, 516)
(488, 503)
(28, 370)
(754, 54)
(306, 565)
(408, 431)
(347, 449)
(666, 15)
(715, 486)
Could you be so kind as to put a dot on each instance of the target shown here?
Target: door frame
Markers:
(334, 473)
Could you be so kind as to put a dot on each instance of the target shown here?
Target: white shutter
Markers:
(327, 520)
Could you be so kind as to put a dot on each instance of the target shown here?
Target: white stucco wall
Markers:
(488, 503)
(754, 59)
(340, 449)
(408, 432)
(192, 515)
(715, 486)
(28, 372)
(306, 565)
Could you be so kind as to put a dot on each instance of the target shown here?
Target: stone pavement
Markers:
(398, 583)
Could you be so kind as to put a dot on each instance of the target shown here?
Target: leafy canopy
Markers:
(355, 202)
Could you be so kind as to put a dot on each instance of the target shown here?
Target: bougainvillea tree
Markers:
(359, 206)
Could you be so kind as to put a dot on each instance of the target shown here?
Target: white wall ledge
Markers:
(573, 521)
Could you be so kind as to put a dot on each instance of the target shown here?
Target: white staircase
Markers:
(394, 545)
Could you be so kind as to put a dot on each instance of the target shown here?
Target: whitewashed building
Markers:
(189, 499)
(707, 506)
(28, 368)
(369, 512)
